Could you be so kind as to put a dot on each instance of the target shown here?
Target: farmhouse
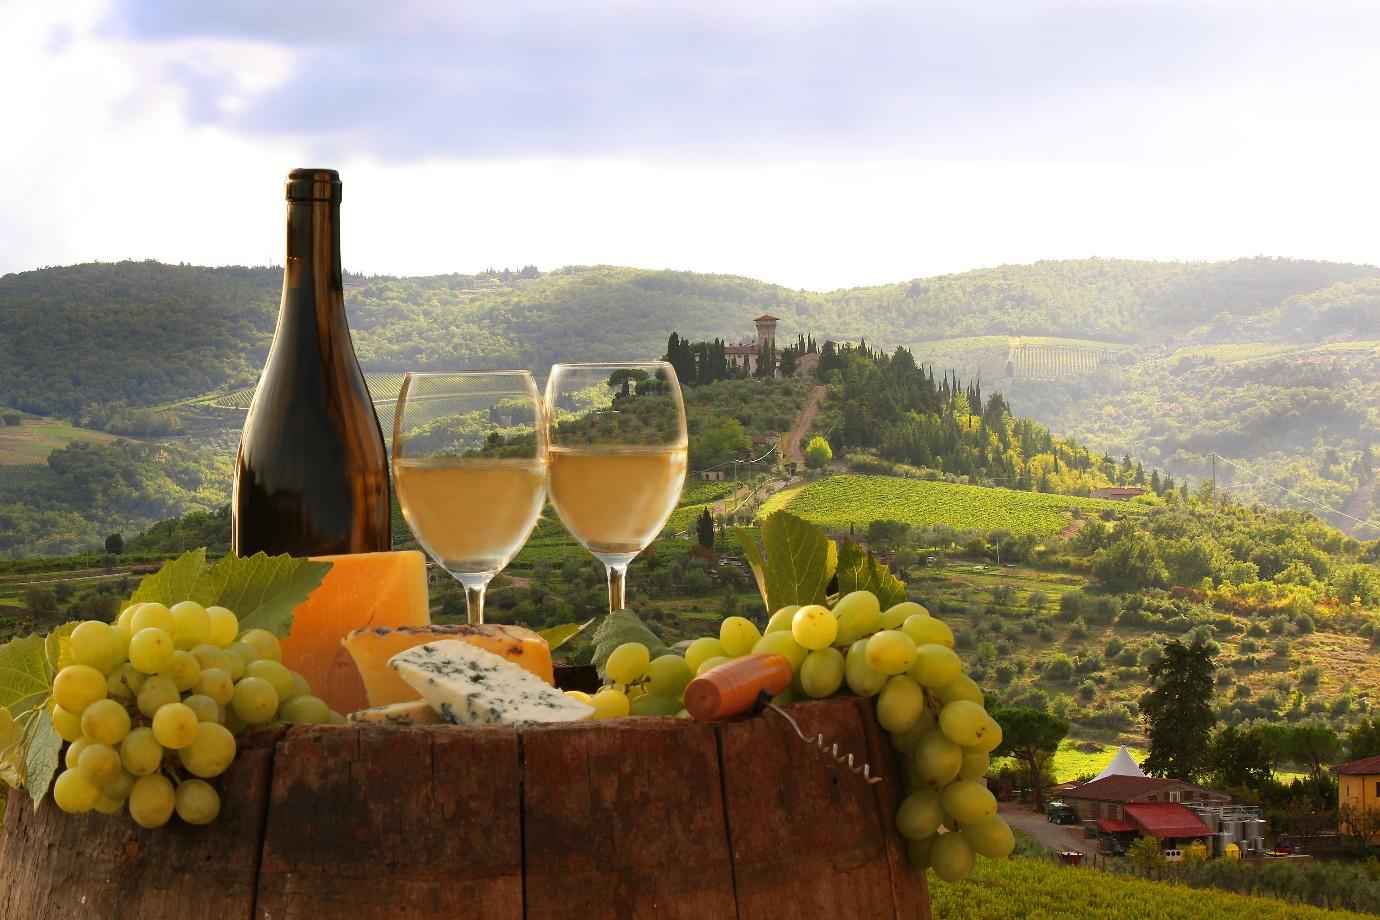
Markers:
(1358, 796)
(1122, 807)
(1117, 493)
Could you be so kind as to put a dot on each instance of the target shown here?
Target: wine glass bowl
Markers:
(617, 457)
(469, 469)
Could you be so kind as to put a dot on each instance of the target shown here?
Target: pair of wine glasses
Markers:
(477, 453)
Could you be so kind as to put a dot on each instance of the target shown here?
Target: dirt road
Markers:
(1055, 836)
(802, 425)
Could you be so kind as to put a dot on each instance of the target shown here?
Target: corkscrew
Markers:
(750, 683)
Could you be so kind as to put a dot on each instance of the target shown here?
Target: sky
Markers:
(817, 144)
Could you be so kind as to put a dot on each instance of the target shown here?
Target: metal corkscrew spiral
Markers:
(829, 749)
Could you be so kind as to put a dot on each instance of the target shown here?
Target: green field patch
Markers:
(33, 439)
(859, 500)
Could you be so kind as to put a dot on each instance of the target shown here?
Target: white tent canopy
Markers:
(1123, 764)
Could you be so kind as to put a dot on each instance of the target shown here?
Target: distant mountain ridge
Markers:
(149, 334)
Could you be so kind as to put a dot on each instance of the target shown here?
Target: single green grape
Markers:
(100, 764)
(900, 703)
(966, 800)
(937, 760)
(118, 789)
(151, 801)
(961, 687)
(156, 693)
(337, 719)
(254, 700)
(951, 858)
(991, 738)
(667, 676)
(126, 617)
(859, 675)
(890, 652)
(151, 650)
(191, 625)
(152, 616)
(206, 709)
(780, 643)
(907, 740)
(96, 644)
(238, 663)
(77, 686)
(264, 642)
(212, 656)
(244, 651)
(105, 805)
(627, 663)
(184, 669)
(74, 793)
(781, 620)
(859, 614)
(300, 687)
(710, 664)
(991, 838)
(918, 853)
(66, 724)
(174, 725)
(964, 722)
(225, 627)
(653, 705)
(610, 703)
(580, 695)
(920, 814)
(814, 627)
(925, 629)
(73, 755)
(975, 765)
(197, 802)
(305, 710)
(821, 674)
(701, 649)
(105, 722)
(278, 677)
(935, 665)
(211, 752)
(140, 752)
(738, 635)
(124, 683)
(893, 617)
(216, 684)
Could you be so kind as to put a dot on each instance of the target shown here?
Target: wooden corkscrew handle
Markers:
(732, 688)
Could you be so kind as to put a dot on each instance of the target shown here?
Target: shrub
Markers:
(1114, 647)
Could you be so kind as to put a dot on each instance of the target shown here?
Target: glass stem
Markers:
(474, 596)
(618, 574)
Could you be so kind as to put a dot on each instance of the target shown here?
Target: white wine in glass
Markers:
(469, 469)
(617, 457)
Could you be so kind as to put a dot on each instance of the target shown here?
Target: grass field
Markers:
(1029, 889)
(858, 500)
(35, 438)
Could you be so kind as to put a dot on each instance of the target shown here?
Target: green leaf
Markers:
(41, 758)
(557, 636)
(859, 570)
(174, 582)
(753, 553)
(619, 627)
(800, 561)
(26, 675)
(262, 589)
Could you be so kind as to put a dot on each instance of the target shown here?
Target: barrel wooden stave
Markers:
(624, 819)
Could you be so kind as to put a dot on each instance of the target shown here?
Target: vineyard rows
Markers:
(24, 476)
(1027, 889)
(383, 387)
(859, 500)
(1049, 362)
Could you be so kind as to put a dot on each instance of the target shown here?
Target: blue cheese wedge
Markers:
(470, 686)
(412, 712)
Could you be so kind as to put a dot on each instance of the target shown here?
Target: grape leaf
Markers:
(261, 589)
(619, 627)
(557, 636)
(801, 560)
(753, 553)
(859, 570)
(41, 757)
(26, 675)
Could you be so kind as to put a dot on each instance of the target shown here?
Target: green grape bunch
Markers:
(152, 704)
(903, 659)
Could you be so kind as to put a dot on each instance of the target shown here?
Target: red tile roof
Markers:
(1166, 819)
(1119, 788)
(1116, 827)
(1365, 766)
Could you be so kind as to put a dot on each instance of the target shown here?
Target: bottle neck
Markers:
(313, 293)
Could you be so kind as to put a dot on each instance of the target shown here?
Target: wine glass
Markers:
(469, 468)
(617, 457)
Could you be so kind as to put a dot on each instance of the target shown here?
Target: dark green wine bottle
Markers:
(311, 477)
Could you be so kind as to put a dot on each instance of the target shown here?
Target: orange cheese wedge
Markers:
(360, 591)
(371, 649)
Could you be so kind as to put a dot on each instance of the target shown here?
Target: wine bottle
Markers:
(311, 477)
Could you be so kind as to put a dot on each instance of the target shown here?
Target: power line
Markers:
(1283, 488)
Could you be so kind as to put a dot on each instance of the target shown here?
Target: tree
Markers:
(704, 529)
(1363, 740)
(624, 378)
(115, 544)
(1240, 759)
(718, 442)
(1178, 712)
(1132, 563)
(885, 536)
(1313, 746)
(1030, 736)
(818, 453)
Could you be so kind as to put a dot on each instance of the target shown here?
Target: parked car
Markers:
(1061, 814)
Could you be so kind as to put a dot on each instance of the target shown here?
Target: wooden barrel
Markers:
(644, 817)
